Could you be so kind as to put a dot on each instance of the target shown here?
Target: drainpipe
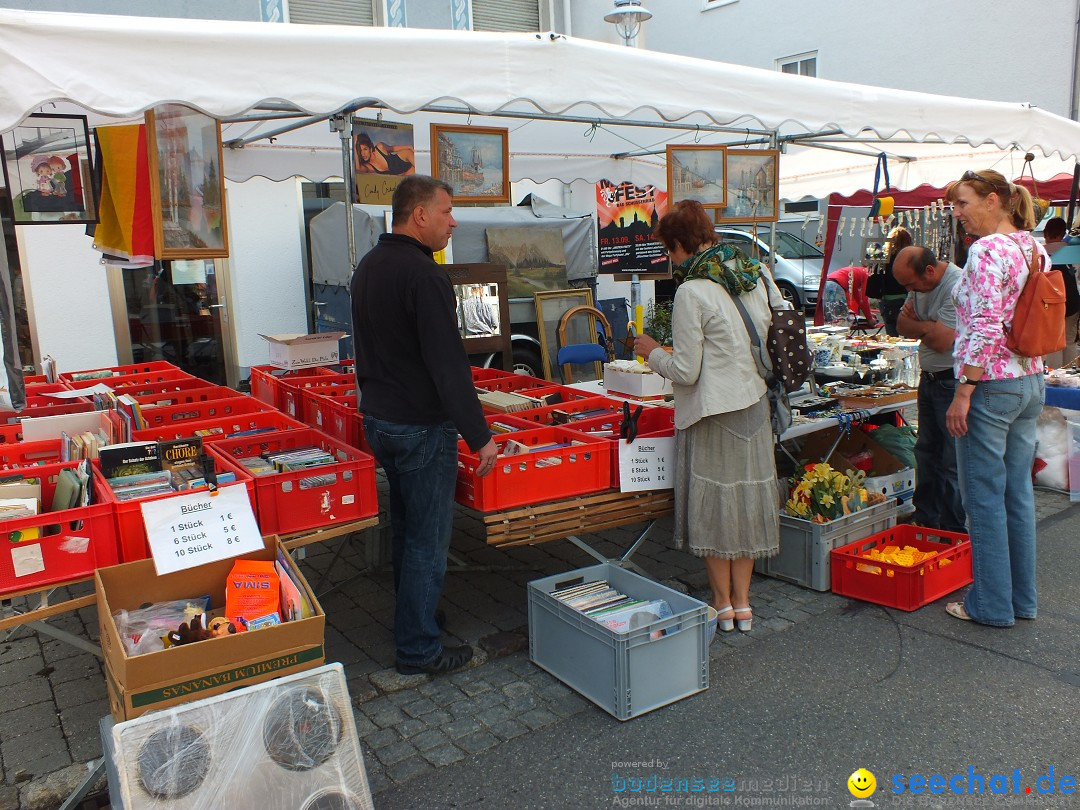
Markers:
(1074, 107)
(567, 31)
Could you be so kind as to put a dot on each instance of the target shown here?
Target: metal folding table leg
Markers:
(624, 561)
(96, 767)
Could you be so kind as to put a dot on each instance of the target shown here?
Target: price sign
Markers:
(647, 464)
(192, 530)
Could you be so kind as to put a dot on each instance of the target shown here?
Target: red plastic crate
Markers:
(47, 406)
(899, 586)
(170, 415)
(29, 454)
(85, 537)
(544, 475)
(263, 421)
(9, 434)
(654, 421)
(37, 389)
(566, 395)
(510, 420)
(289, 392)
(137, 384)
(130, 529)
(151, 367)
(29, 379)
(480, 374)
(286, 503)
(315, 403)
(542, 416)
(513, 382)
(266, 380)
(205, 394)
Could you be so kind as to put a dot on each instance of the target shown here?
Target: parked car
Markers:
(796, 265)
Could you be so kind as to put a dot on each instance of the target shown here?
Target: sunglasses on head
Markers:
(970, 175)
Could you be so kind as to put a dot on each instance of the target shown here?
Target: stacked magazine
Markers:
(613, 609)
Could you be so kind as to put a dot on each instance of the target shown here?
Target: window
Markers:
(332, 12)
(803, 64)
(505, 15)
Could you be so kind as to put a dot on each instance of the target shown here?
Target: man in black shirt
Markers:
(416, 394)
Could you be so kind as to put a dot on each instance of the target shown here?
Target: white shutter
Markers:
(332, 12)
(506, 15)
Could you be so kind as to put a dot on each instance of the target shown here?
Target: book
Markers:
(214, 431)
(179, 453)
(129, 458)
(294, 599)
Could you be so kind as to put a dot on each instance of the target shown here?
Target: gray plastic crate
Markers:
(626, 674)
(804, 546)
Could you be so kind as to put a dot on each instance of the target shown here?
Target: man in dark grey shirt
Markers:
(929, 315)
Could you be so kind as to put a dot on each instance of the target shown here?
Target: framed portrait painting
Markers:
(752, 188)
(697, 173)
(47, 170)
(383, 153)
(475, 161)
(187, 186)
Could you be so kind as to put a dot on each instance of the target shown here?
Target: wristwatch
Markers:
(963, 379)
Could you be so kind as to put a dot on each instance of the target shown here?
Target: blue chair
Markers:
(583, 353)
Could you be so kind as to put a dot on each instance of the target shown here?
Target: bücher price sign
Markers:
(647, 464)
(192, 530)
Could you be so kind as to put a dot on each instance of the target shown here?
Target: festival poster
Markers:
(626, 216)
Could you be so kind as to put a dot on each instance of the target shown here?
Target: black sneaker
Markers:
(449, 659)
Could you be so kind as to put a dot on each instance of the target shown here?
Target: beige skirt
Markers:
(726, 500)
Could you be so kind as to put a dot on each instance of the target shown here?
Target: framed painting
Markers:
(483, 309)
(187, 186)
(47, 170)
(752, 187)
(697, 173)
(475, 161)
(550, 307)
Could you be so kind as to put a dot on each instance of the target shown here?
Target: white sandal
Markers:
(744, 624)
(725, 625)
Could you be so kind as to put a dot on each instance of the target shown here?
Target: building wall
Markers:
(966, 48)
(266, 265)
(67, 296)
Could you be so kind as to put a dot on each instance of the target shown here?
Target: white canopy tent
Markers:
(605, 99)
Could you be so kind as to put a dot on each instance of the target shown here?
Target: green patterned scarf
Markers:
(724, 264)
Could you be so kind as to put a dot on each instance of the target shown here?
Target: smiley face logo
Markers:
(862, 784)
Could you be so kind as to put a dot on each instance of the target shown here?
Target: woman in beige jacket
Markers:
(726, 501)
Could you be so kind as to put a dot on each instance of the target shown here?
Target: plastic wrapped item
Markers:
(142, 630)
(287, 744)
(1052, 449)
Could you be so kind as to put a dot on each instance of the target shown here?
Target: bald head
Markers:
(917, 269)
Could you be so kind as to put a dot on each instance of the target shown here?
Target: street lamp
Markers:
(627, 17)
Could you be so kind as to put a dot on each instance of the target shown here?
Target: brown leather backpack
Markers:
(1038, 322)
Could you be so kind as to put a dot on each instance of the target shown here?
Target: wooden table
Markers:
(583, 514)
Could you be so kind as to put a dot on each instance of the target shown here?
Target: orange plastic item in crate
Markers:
(596, 407)
(537, 476)
(315, 403)
(29, 454)
(130, 529)
(266, 380)
(206, 394)
(895, 585)
(151, 367)
(237, 423)
(72, 542)
(217, 409)
(654, 421)
(296, 501)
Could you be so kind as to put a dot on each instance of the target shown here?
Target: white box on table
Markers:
(289, 351)
(648, 385)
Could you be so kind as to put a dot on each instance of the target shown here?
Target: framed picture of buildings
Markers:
(697, 173)
(752, 187)
(187, 186)
(47, 170)
(475, 161)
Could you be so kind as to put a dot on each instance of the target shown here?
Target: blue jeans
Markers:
(994, 462)
(420, 462)
(937, 492)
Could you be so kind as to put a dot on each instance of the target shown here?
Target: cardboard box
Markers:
(639, 386)
(890, 477)
(142, 683)
(290, 351)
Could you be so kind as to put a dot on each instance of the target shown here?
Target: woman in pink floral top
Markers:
(998, 398)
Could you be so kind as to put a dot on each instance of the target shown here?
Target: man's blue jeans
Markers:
(420, 462)
(994, 462)
(937, 491)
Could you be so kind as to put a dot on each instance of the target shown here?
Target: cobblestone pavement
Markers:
(54, 693)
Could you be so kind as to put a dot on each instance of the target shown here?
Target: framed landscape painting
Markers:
(187, 186)
(752, 188)
(47, 170)
(697, 173)
(475, 161)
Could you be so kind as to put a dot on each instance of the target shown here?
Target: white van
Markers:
(796, 265)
